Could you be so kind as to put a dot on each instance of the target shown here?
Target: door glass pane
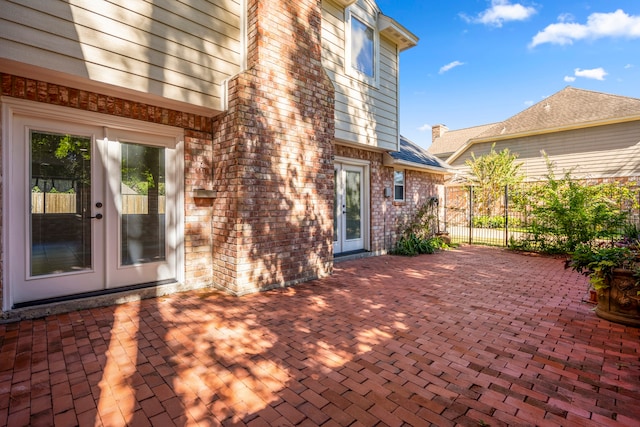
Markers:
(60, 199)
(336, 206)
(142, 216)
(353, 208)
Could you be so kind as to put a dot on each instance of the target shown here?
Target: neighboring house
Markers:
(445, 142)
(595, 135)
(256, 129)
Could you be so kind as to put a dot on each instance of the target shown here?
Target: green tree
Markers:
(490, 173)
(60, 156)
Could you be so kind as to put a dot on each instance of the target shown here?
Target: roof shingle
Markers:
(568, 107)
(413, 153)
(452, 140)
(564, 109)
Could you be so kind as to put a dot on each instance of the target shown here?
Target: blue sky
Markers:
(482, 61)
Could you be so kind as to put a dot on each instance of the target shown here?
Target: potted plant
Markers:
(614, 273)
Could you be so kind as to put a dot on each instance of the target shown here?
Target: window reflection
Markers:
(143, 204)
(398, 182)
(362, 47)
(60, 199)
(353, 206)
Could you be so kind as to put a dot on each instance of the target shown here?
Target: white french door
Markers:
(91, 208)
(57, 210)
(349, 223)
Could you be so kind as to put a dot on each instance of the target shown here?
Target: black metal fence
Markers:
(474, 217)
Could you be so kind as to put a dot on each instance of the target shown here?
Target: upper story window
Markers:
(362, 48)
(398, 186)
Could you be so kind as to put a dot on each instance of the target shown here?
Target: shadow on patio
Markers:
(462, 337)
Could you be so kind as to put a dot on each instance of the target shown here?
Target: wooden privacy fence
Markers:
(60, 203)
(139, 204)
(53, 203)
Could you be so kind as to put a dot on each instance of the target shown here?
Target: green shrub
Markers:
(598, 263)
(564, 213)
(412, 245)
(486, 221)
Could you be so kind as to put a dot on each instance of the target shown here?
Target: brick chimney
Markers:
(437, 131)
(272, 221)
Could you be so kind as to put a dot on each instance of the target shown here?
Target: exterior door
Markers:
(88, 210)
(348, 223)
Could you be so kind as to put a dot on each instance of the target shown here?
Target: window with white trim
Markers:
(398, 186)
(362, 49)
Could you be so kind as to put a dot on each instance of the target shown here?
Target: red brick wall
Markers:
(387, 215)
(419, 187)
(273, 216)
(272, 222)
(380, 207)
(198, 155)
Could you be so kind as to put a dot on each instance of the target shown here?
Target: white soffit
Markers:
(345, 3)
(395, 32)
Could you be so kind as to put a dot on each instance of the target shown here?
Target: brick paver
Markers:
(472, 336)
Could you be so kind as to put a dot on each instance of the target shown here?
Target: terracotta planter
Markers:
(444, 236)
(620, 303)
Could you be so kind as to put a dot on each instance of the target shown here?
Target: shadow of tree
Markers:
(433, 339)
(330, 349)
(275, 208)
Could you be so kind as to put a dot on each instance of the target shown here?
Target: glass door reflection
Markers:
(60, 201)
(142, 216)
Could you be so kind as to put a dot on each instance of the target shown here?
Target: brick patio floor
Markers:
(473, 336)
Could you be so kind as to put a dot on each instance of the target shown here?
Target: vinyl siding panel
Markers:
(171, 49)
(594, 152)
(364, 114)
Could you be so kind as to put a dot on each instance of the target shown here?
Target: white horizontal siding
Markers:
(364, 114)
(172, 49)
(595, 152)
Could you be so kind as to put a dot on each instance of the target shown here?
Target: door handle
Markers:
(98, 216)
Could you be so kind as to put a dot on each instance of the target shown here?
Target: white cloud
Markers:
(528, 103)
(569, 79)
(599, 25)
(501, 11)
(425, 127)
(566, 17)
(595, 73)
(626, 67)
(449, 66)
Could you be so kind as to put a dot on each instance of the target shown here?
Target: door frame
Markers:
(170, 136)
(366, 198)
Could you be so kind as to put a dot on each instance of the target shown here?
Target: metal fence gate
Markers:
(476, 218)
(469, 220)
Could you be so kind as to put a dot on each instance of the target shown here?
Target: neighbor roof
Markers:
(413, 156)
(569, 107)
(450, 141)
